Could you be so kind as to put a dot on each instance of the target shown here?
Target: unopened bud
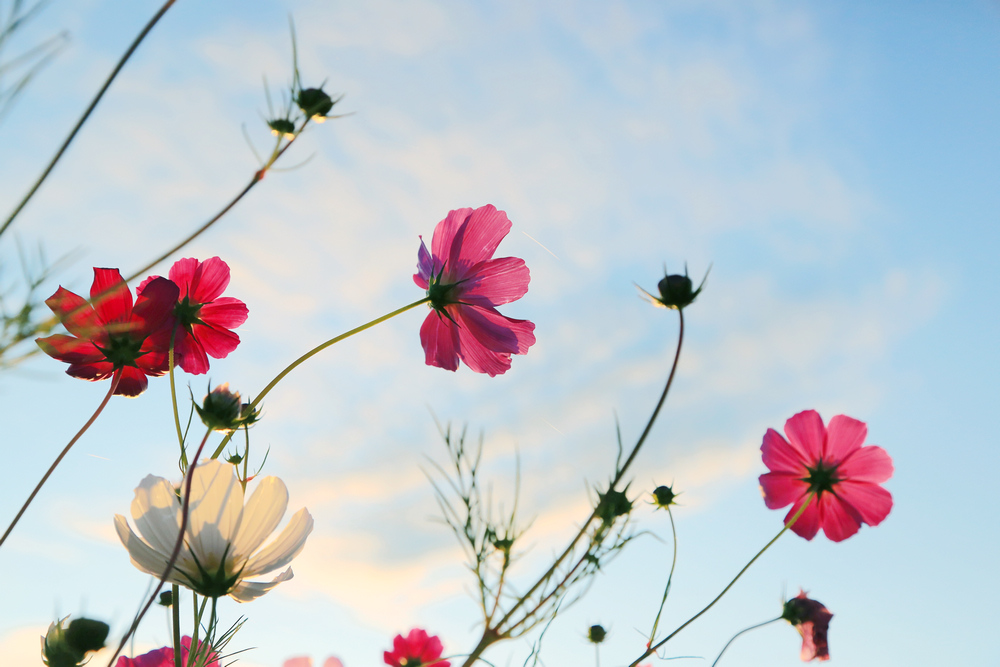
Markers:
(663, 497)
(596, 634)
(314, 103)
(222, 409)
(67, 645)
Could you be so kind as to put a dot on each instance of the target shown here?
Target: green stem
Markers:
(725, 590)
(670, 577)
(752, 627)
(38, 487)
(311, 353)
(175, 593)
(86, 114)
(173, 400)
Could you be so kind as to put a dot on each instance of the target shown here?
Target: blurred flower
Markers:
(417, 649)
(812, 620)
(113, 333)
(676, 291)
(830, 463)
(596, 634)
(164, 657)
(67, 644)
(217, 555)
(315, 103)
(305, 661)
(465, 284)
(204, 317)
(664, 497)
(282, 127)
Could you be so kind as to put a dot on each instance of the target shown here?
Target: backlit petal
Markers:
(70, 349)
(781, 489)
(844, 435)
(261, 516)
(216, 509)
(182, 273)
(871, 502)
(780, 456)
(495, 282)
(132, 383)
(156, 512)
(110, 296)
(806, 525)
(287, 546)
(245, 591)
(439, 337)
(218, 343)
(224, 313)
(487, 338)
(477, 239)
(445, 232)
(100, 370)
(868, 464)
(78, 316)
(838, 519)
(154, 307)
(807, 434)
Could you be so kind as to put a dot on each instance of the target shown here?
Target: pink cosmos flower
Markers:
(113, 334)
(306, 661)
(164, 657)
(465, 284)
(812, 620)
(830, 463)
(417, 649)
(204, 317)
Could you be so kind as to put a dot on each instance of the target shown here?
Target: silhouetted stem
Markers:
(752, 627)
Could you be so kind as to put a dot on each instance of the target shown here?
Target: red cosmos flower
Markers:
(204, 318)
(830, 463)
(465, 284)
(164, 657)
(113, 334)
(417, 649)
(812, 620)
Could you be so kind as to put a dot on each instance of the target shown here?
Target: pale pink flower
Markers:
(465, 284)
(830, 466)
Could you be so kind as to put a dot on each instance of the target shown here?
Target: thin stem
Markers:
(86, 114)
(38, 487)
(752, 627)
(175, 593)
(670, 577)
(311, 353)
(725, 590)
(185, 509)
(173, 399)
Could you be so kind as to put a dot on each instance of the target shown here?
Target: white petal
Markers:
(146, 559)
(245, 591)
(281, 551)
(216, 508)
(261, 516)
(156, 512)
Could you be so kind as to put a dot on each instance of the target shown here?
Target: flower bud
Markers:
(676, 291)
(67, 645)
(282, 127)
(315, 103)
(596, 634)
(663, 497)
(166, 599)
(222, 409)
(612, 505)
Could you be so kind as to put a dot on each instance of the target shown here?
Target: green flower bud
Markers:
(612, 505)
(596, 634)
(222, 409)
(676, 291)
(315, 103)
(67, 645)
(663, 497)
(166, 599)
(282, 127)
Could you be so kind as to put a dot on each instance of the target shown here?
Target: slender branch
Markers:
(670, 578)
(752, 627)
(38, 487)
(86, 114)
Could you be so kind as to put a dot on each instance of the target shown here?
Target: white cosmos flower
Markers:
(217, 555)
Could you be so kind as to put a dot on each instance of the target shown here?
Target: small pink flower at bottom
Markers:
(465, 284)
(812, 620)
(306, 661)
(164, 657)
(417, 649)
(829, 465)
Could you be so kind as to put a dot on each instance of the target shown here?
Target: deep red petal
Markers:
(218, 343)
(439, 337)
(868, 464)
(477, 240)
(781, 489)
(133, 382)
(487, 339)
(142, 285)
(807, 434)
(69, 349)
(210, 281)
(154, 307)
(806, 525)
(111, 296)
(844, 435)
(224, 313)
(190, 355)
(838, 519)
(154, 356)
(780, 456)
(495, 282)
(94, 372)
(870, 502)
(183, 274)
(76, 314)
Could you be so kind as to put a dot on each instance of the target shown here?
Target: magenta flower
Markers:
(417, 649)
(812, 620)
(306, 661)
(465, 284)
(164, 657)
(831, 464)
(204, 318)
(113, 334)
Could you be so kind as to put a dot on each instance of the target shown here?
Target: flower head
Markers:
(417, 649)
(676, 291)
(465, 284)
(67, 643)
(114, 334)
(164, 657)
(220, 549)
(812, 620)
(828, 467)
(306, 661)
(204, 318)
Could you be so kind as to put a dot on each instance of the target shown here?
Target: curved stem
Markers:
(311, 353)
(86, 114)
(173, 399)
(185, 511)
(175, 593)
(670, 578)
(752, 627)
(38, 487)
(725, 590)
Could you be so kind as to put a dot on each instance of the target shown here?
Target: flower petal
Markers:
(77, 315)
(224, 313)
(871, 502)
(132, 383)
(780, 456)
(781, 489)
(70, 349)
(838, 519)
(218, 343)
(245, 591)
(154, 307)
(100, 370)
(807, 434)
(425, 266)
(439, 338)
(287, 546)
(476, 240)
(182, 273)
(156, 511)
(210, 280)
(143, 557)
(445, 232)
(495, 282)
(868, 464)
(261, 516)
(215, 511)
(806, 525)
(487, 338)
(844, 435)
(110, 296)
(189, 354)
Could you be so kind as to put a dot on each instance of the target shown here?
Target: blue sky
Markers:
(836, 166)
